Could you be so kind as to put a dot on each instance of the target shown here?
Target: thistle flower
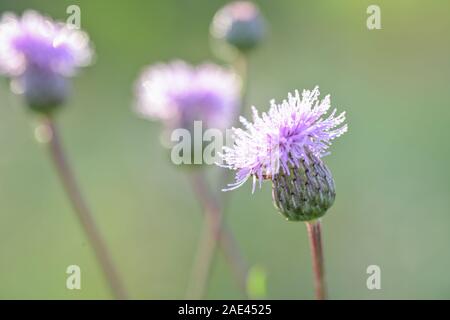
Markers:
(240, 24)
(179, 94)
(286, 145)
(40, 54)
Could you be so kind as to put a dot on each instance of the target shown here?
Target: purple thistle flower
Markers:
(39, 55)
(38, 41)
(286, 137)
(179, 94)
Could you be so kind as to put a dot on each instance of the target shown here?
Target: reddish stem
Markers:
(82, 211)
(315, 241)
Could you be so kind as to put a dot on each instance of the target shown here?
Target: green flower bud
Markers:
(306, 193)
(240, 24)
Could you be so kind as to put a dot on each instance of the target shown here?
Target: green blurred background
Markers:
(391, 169)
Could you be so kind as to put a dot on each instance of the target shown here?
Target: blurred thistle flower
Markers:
(179, 94)
(286, 145)
(240, 24)
(38, 54)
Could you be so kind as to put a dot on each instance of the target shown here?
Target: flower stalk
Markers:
(315, 241)
(216, 235)
(215, 227)
(82, 210)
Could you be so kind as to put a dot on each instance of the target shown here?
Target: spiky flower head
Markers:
(39, 54)
(179, 94)
(240, 24)
(286, 145)
(39, 41)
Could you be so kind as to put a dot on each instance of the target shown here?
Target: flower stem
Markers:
(241, 64)
(215, 230)
(82, 211)
(215, 233)
(315, 241)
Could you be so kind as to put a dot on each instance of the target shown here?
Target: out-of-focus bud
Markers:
(306, 193)
(44, 90)
(240, 24)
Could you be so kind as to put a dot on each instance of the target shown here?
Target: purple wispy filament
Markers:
(280, 138)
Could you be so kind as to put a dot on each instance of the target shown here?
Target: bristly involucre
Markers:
(282, 137)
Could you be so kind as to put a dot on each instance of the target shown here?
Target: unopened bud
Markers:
(240, 24)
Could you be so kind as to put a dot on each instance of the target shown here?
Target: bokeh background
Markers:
(391, 169)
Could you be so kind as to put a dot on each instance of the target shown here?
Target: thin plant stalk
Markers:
(215, 230)
(82, 211)
(241, 65)
(315, 241)
(201, 273)
(215, 235)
